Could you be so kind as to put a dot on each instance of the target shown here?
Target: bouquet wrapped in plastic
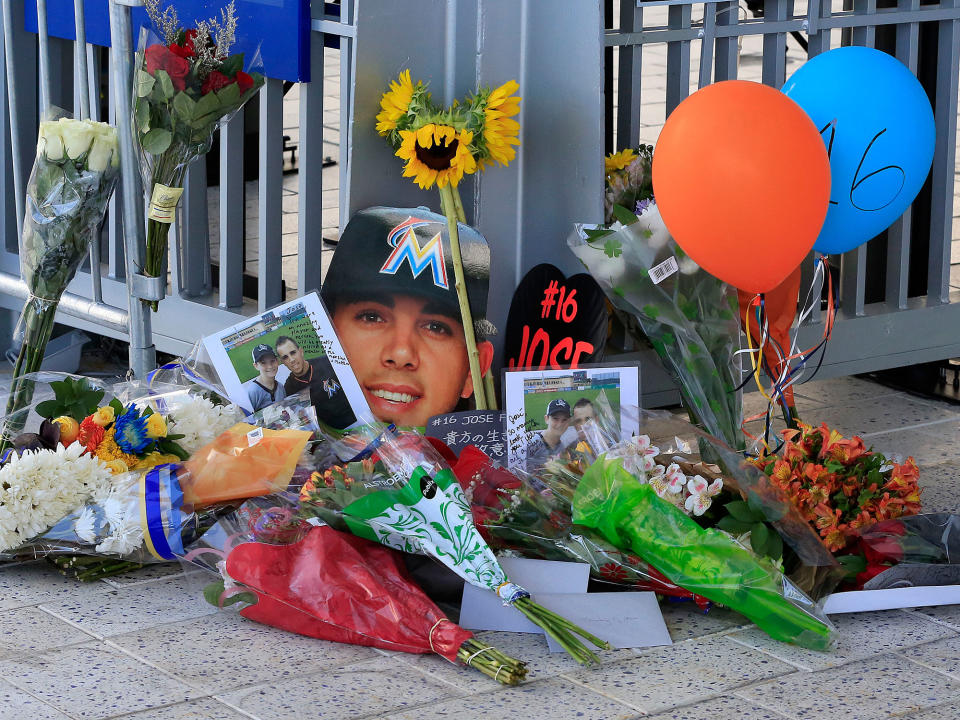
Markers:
(409, 499)
(532, 517)
(689, 316)
(706, 560)
(186, 83)
(282, 571)
(73, 177)
(909, 551)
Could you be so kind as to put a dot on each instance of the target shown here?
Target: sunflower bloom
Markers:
(500, 132)
(436, 153)
(395, 103)
(619, 160)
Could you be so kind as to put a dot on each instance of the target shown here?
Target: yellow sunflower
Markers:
(394, 103)
(436, 153)
(499, 131)
(619, 160)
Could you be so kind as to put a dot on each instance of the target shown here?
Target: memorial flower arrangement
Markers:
(439, 146)
(839, 486)
(74, 175)
(186, 83)
(689, 316)
(413, 502)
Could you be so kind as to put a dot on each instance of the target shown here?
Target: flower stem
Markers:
(473, 355)
(491, 662)
(562, 631)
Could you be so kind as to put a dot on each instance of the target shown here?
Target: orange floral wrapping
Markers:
(236, 465)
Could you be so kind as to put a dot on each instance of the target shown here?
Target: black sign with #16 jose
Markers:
(483, 428)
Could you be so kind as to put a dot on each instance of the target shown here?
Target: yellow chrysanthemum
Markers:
(103, 416)
(499, 131)
(438, 154)
(619, 160)
(394, 103)
(117, 467)
(152, 459)
(108, 451)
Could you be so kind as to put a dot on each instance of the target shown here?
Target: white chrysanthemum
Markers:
(39, 488)
(126, 532)
(200, 421)
(86, 525)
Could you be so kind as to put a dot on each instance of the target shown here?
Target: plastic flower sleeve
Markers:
(689, 316)
(282, 571)
(702, 560)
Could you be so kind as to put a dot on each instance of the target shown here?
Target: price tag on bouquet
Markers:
(163, 203)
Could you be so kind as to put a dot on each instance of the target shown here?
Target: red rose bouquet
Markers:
(186, 83)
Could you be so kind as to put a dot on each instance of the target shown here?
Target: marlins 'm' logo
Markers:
(406, 247)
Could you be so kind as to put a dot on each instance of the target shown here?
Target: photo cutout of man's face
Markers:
(409, 356)
(582, 415)
(292, 356)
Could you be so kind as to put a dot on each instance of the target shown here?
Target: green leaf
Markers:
(184, 106)
(117, 406)
(739, 510)
(229, 96)
(612, 248)
(165, 84)
(758, 538)
(852, 564)
(47, 408)
(145, 83)
(732, 525)
(232, 65)
(206, 106)
(623, 215)
(141, 115)
(212, 592)
(156, 141)
(246, 597)
(774, 547)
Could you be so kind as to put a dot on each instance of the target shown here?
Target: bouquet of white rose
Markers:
(73, 176)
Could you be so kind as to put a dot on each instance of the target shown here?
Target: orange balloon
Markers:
(742, 180)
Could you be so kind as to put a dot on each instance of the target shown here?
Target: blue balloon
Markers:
(878, 127)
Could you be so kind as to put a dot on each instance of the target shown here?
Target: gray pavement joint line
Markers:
(37, 698)
(931, 668)
(401, 658)
(945, 623)
(96, 636)
(144, 661)
(234, 707)
(905, 428)
(763, 651)
(138, 583)
(597, 691)
(641, 651)
(760, 704)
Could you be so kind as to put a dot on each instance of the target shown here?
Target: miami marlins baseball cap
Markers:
(558, 406)
(261, 351)
(406, 251)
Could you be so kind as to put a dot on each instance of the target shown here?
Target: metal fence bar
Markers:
(44, 42)
(347, 49)
(774, 71)
(194, 250)
(270, 243)
(82, 78)
(310, 179)
(13, 114)
(944, 160)
(727, 48)
(629, 80)
(853, 280)
(678, 57)
(706, 47)
(115, 249)
(865, 35)
(898, 235)
(232, 209)
(143, 356)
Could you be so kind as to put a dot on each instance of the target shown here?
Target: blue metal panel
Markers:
(259, 22)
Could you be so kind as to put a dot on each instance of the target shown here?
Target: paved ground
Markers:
(145, 646)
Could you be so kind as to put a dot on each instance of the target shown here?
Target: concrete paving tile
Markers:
(876, 688)
(36, 582)
(721, 708)
(858, 636)
(202, 709)
(948, 614)
(931, 445)
(685, 620)
(145, 574)
(136, 607)
(685, 673)
(29, 629)
(380, 686)
(940, 485)
(556, 699)
(942, 655)
(15, 704)
(949, 711)
(840, 391)
(224, 651)
(872, 415)
(93, 681)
